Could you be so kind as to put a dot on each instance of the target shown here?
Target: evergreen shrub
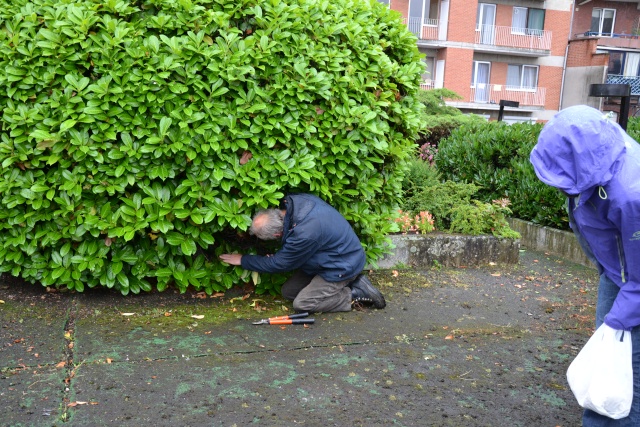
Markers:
(439, 118)
(137, 138)
(633, 128)
(495, 157)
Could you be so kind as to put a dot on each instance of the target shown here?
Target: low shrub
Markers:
(495, 157)
(482, 218)
(422, 223)
(440, 200)
(440, 119)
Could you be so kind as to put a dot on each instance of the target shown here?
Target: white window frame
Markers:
(522, 68)
(429, 74)
(426, 10)
(601, 20)
(519, 30)
(474, 77)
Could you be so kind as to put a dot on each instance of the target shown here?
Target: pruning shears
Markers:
(291, 319)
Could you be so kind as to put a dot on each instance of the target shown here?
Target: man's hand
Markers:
(233, 259)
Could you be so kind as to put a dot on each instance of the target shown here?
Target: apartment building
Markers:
(604, 47)
(511, 50)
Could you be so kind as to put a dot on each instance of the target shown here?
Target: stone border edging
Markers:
(449, 250)
(547, 239)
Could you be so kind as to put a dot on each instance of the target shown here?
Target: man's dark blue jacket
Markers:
(316, 239)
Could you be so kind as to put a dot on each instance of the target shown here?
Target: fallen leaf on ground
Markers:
(217, 295)
(109, 360)
(496, 274)
(72, 404)
(61, 365)
(167, 314)
(448, 337)
(127, 314)
(395, 273)
(198, 316)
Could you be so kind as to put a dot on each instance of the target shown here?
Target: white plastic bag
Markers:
(601, 375)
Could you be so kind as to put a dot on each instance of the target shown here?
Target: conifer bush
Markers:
(138, 137)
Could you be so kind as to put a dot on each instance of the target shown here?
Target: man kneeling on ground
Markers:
(322, 249)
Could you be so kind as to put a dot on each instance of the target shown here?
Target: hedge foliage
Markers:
(439, 118)
(633, 128)
(137, 138)
(495, 157)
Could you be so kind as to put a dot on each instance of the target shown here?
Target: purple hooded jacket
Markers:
(591, 158)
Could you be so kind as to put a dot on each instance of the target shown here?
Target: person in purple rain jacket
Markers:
(593, 161)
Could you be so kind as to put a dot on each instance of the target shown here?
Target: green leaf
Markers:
(188, 247)
(165, 123)
(67, 124)
(175, 239)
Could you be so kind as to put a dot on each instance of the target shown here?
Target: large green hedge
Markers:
(138, 137)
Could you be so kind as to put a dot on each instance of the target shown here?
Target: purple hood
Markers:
(578, 149)
(584, 154)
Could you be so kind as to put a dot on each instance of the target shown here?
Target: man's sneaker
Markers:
(363, 292)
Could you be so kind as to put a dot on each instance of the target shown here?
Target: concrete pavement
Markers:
(485, 346)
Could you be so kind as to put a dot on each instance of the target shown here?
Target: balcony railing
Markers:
(522, 38)
(427, 84)
(492, 94)
(423, 31)
(632, 81)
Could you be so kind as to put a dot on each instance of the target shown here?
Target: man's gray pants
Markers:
(314, 294)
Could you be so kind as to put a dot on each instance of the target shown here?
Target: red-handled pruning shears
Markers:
(292, 319)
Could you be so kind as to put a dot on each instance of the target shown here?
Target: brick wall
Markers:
(581, 53)
(504, 15)
(458, 69)
(559, 23)
(401, 6)
(551, 79)
(498, 73)
(462, 20)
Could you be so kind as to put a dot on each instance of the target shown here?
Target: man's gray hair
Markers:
(269, 224)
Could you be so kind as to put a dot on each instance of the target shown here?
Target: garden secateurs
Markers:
(291, 319)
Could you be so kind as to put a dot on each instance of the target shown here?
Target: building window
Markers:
(602, 21)
(624, 64)
(384, 2)
(430, 12)
(527, 20)
(429, 72)
(524, 77)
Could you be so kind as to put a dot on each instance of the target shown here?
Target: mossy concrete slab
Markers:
(31, 396)
(432, 381)
(32, 326)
